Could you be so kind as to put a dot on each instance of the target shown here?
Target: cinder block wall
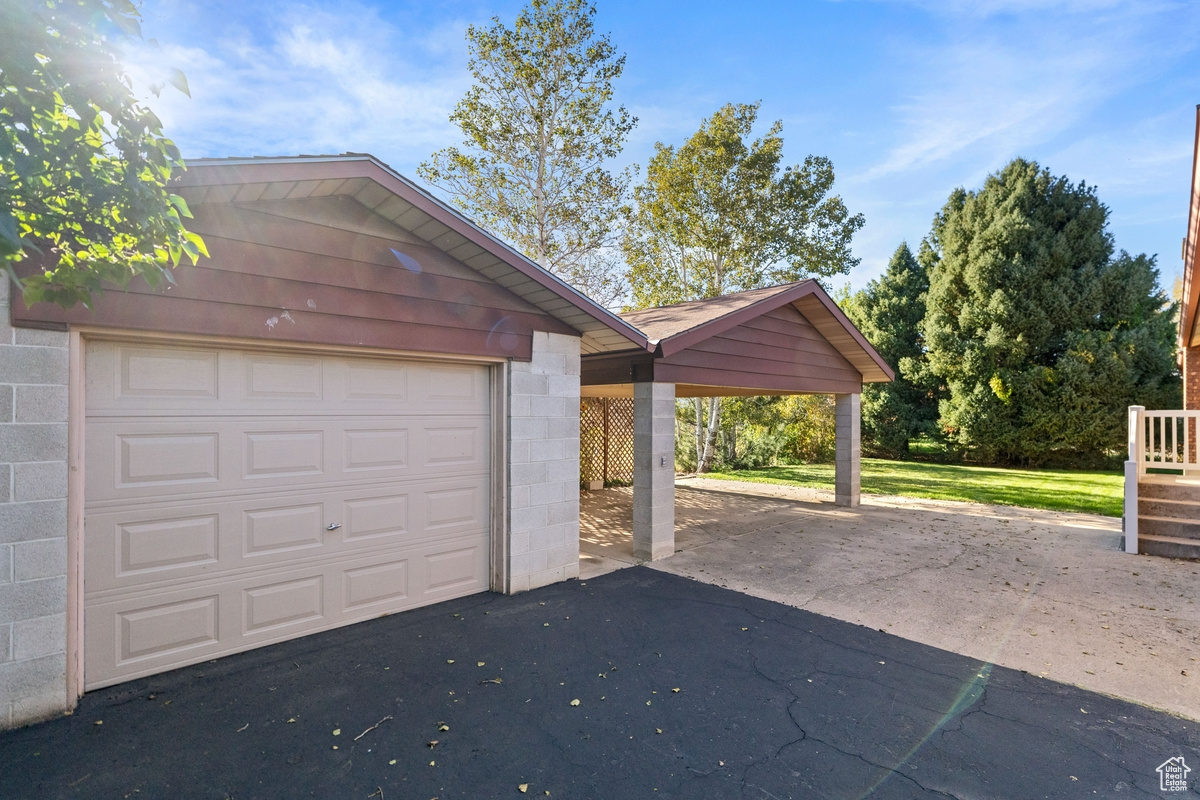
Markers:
(33, 521)
(543, 471)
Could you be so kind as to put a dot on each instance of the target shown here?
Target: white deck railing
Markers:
(1163, 439)
(1158, 440)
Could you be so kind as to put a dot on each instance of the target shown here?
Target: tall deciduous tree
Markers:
(889, 312)
(719, 214)
(84, 166)
(539, 130)
(1042, 335)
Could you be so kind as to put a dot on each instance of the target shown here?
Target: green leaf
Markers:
(180, 204)
(179, 81)
(10, 238)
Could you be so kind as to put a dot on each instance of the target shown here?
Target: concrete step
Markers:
(1169, 509)
(1185, 492)
(1168, 546)
(1168, 526)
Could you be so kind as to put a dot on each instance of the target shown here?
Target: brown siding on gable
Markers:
(779, 351)
(278, 279)
(246, 224)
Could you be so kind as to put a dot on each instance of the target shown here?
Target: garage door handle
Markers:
(333, 526)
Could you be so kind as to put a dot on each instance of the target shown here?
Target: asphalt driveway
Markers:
(1047, 592)
(684, 690)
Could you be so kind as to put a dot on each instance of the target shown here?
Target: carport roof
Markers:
(789, 339)
(674, 328)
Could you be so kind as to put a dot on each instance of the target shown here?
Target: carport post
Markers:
(848, 416)
(653, 470)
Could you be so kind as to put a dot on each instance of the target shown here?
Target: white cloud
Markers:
(313, 82)
(988, 81)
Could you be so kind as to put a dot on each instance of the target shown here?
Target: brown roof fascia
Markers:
(1188, 328)
(682, 341)
(215, 172)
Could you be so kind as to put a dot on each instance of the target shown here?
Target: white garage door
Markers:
(236, 498)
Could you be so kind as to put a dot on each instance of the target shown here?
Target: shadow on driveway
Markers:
(773, 701)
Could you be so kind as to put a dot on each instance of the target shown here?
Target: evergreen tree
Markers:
(1042, 336)
(889, 312)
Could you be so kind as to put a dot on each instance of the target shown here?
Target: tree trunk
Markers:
(699, 403)
(714, 419)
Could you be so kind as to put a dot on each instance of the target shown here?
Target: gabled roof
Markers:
(1189, 330)
(415, 212)
(671, 329)
(666, 322)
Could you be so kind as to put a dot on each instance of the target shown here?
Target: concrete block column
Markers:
(543, 468)
(653, 470)
(34, 372)
(848, 416)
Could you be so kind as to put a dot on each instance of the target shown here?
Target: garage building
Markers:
(360, 404)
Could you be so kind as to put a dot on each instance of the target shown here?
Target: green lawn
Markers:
(1057, 490)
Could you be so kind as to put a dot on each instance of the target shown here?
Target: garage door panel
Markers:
(178, 374)
(171, 541)
(282, 530)
(162, 545)
(155, 459)
(453, 387)
(452, 570)
(148, 631)
(285, 603)
(375, 584)
(283, 454)
(166, 628)
(163, 380)
(282, 377)
(374, 449)
(165, 458)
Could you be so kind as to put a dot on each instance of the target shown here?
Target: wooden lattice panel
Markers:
(606, 440)
(591, 439)
(619, 469)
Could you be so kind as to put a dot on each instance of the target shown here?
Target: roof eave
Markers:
(1188, 328)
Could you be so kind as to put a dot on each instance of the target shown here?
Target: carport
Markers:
(789, 339)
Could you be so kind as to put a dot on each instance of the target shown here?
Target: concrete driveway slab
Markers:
(1042, 591)
(476, 698)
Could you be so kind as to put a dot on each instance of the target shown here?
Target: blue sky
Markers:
(909, 98)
